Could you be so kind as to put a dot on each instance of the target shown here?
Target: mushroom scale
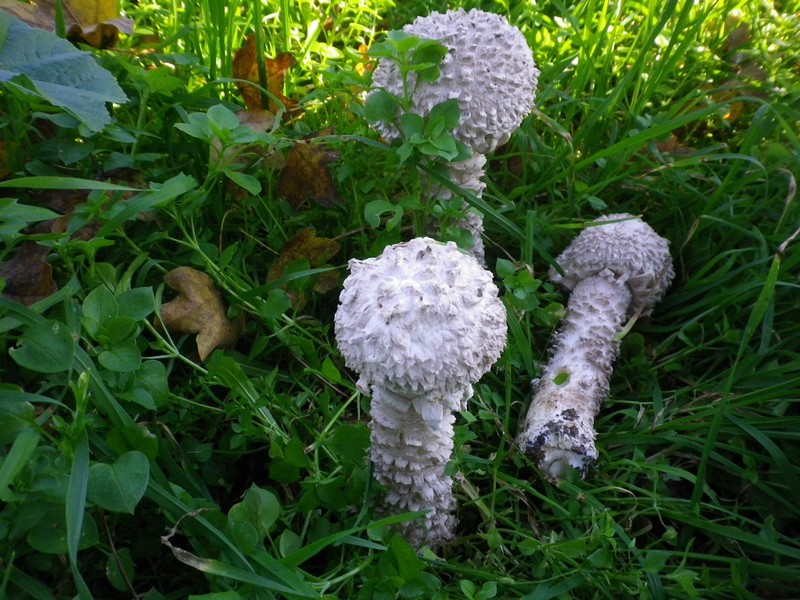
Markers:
(616, 269)
(420, 324)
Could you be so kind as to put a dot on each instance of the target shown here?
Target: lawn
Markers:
(176, 417)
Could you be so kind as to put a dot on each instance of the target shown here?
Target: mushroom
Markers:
(617, 269)
(420, 324)
(490, 70)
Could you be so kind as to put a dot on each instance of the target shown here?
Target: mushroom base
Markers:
(558, 430)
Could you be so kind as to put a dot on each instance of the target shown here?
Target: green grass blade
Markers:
(75, 506)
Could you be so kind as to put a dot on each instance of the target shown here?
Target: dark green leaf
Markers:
(46, 347)
(118, 487)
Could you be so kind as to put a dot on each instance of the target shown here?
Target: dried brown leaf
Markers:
(199, 309)
(29, 277)
(245, 66)
(305, 245)
(306, 175)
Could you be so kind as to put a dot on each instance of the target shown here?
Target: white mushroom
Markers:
(489, 69)
(616, 269)
(420, 324)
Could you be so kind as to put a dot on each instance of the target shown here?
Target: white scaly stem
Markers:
(409, 457)
(558, 430)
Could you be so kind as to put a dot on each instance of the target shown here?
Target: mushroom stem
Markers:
(558, 430)
(409, 457)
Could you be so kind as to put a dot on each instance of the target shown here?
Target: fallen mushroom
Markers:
(616, 269)
(420, 324)
(490, 70)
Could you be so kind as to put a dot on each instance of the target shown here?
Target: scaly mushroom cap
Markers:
(422, 319)
(489, 69)
(625, 251)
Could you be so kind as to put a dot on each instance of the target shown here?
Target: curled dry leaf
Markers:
(199, 309)
(306, 175)
(245, 66)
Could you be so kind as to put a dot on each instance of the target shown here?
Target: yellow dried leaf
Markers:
(199, 309)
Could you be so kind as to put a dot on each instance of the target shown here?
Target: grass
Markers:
(256, 482)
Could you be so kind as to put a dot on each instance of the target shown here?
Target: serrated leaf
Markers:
(118, 487)
(35, 61)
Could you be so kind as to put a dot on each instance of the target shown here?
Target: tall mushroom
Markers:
(420, 324)
(489, 69)
(616, 269)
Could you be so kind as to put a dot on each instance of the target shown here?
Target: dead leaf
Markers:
(306, 175)
(28, 275)
(199, 309)
(40, 15)
(305, 245)
(245, 66)
(96, 23)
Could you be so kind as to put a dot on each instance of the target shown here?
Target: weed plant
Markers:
(129, 467)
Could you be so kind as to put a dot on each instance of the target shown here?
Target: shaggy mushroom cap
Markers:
(421, 320)
(489, 69)
(621, 249)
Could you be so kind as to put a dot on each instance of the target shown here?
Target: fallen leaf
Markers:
(96, 23)
(199, 309)
(29, 277)
(245, 66)
(40, 15)
(306, 175)
(305, 245)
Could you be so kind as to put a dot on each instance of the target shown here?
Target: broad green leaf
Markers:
(137, 303)
(448, 111)
(260, 508)
(120, 569)
(119, 487)
(380, 106)
(46, 347)
(122, 357)
(99, 307)
(247, 182)
(222, 118)
(133, 437)
(38, 62)
(152, 377)
(50, 536)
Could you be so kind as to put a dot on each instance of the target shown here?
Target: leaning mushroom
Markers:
(489, 69)
(420, 324)
(616, 269)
